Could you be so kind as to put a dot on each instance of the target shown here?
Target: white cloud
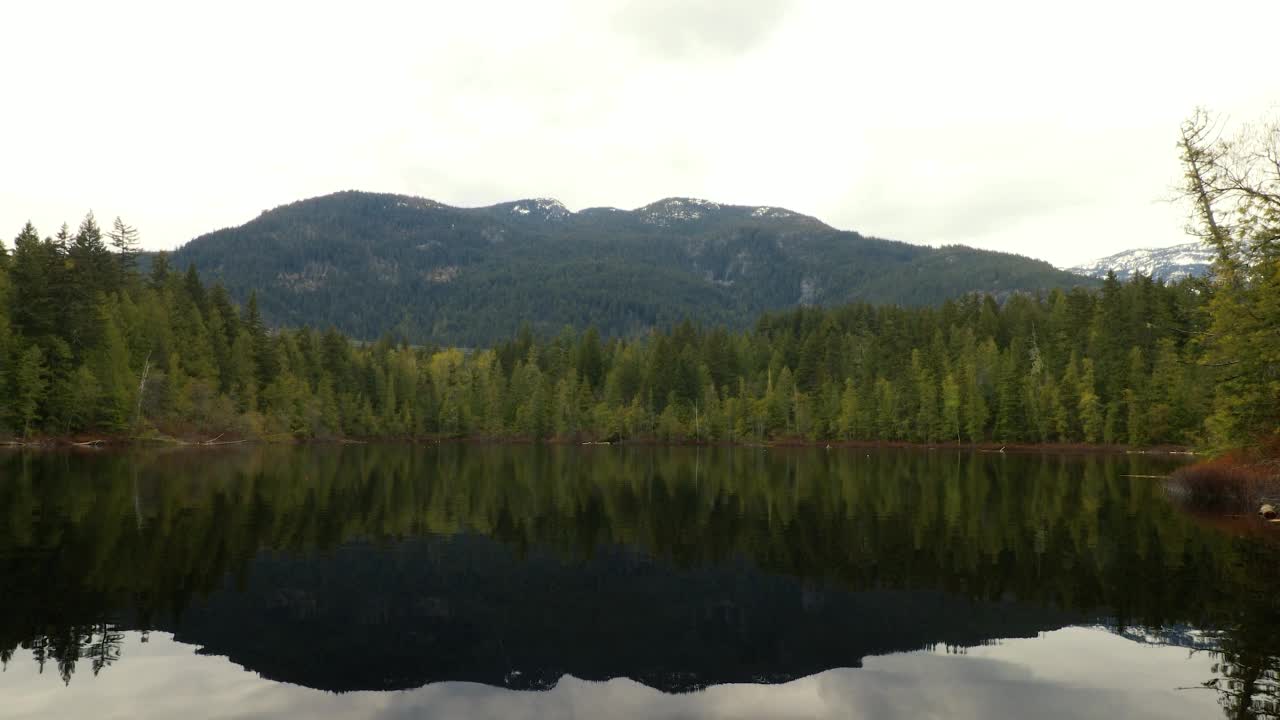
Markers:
(1043, 129)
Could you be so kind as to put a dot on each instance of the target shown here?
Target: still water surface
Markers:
(390, 581)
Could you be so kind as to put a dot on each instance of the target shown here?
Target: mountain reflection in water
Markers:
(393, 567)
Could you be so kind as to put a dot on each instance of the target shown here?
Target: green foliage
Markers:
(27, 388)
(93, 348)
(1233, 185)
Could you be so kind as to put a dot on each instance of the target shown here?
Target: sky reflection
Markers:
(1071, 673)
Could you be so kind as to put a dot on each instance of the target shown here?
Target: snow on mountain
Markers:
(542, 208)
(1168, 263)
(771, 212)
(676, 209)
(1184, 636)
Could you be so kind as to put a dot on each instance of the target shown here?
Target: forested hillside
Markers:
(370, 264)
(96, 346)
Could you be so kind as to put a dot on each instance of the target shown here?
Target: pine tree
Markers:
(888, 421)
(1135, 399)
(1067, 417)
(590, 358)
(244, 374)
(199, 298)
(1137, 422)
(850, 412)
(1010, 411)
(35, 303)
(951, 417)
(110, 365)
(6, 333)
(1233, 185)
(159, 276)
(124, 239)
(1091, 414)
(714, 425)
(781, 403)
(27, 386)
(84, 395)
(975, 405)
(93, 267)
(566, 412)
(61, 408)
(260, 343)
(806, 420)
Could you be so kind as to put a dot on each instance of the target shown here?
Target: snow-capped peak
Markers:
(543, 208)
(676, 209)
(1167, 263)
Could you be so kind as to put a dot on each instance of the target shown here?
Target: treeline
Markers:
(93, 346)
(90, 344)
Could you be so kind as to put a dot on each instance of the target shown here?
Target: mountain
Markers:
(1191, 259)
(372, 263)
(468, 608)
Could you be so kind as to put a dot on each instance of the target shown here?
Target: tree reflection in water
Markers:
(93, 543)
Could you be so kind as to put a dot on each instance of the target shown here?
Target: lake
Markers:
(470, 581)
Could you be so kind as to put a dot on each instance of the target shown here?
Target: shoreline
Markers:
(1214, 494)
(93, 442)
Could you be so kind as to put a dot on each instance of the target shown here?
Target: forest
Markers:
(91, 345)
(97, 347)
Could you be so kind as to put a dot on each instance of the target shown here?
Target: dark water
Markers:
(495, 582)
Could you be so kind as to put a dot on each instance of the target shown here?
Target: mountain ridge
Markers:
(372, 263)
(1169, 263)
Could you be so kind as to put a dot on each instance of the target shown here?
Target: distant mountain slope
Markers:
(371, 263)
(1191, 259)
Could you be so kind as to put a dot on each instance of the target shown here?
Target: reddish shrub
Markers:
(1226, 484)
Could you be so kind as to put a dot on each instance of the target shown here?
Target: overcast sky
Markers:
(1040, 128)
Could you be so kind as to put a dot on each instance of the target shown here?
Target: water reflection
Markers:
(386, 567)
(1012, 679)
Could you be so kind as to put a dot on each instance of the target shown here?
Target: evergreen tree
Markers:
(35, 281)
(850, 412)
(26, 390)
(1091, 413)
(976, 403)
(124, 239)
(159, 276)
(1233, 186)
(110, 366)
(951, 418)
(259, 343)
